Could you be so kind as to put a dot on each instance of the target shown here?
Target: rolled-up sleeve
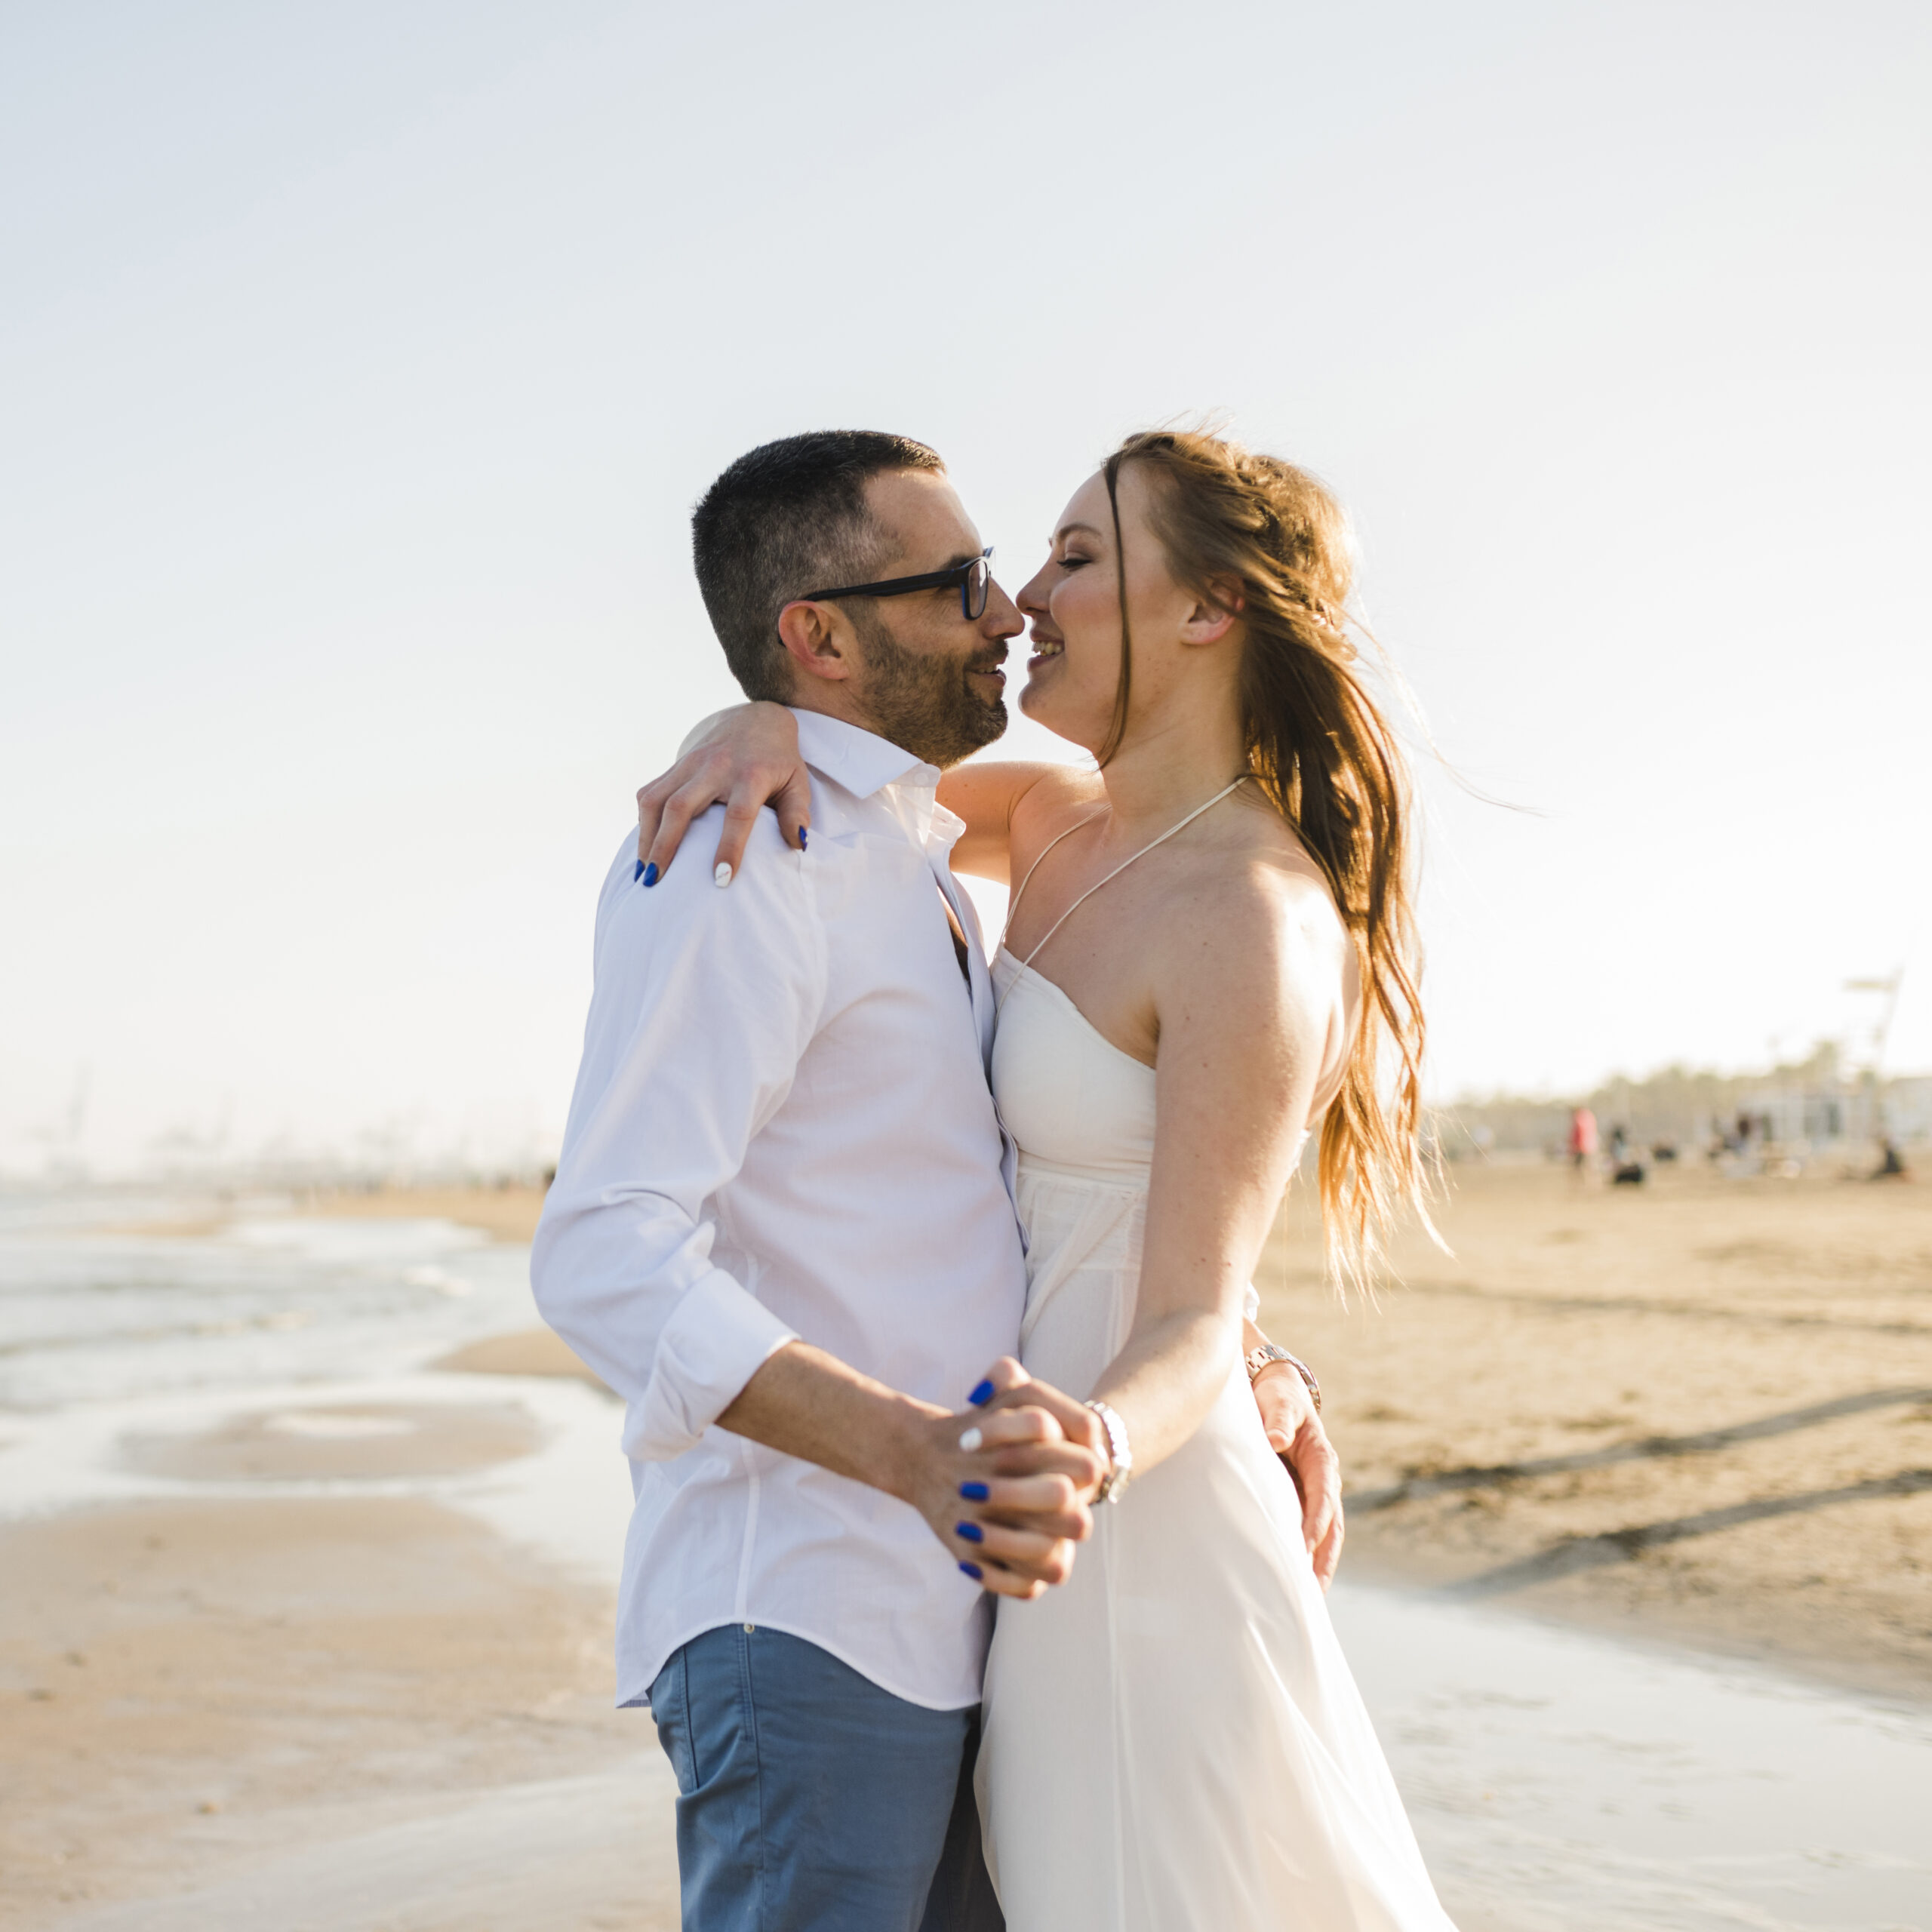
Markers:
(703, 1003)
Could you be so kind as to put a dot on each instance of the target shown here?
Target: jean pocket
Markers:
(671, 1708)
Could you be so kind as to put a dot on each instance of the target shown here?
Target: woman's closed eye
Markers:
(1073, 560)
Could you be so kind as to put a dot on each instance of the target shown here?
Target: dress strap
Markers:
(1013, 904)
(1117, 871)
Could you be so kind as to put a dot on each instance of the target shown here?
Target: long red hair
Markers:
(1324, 754)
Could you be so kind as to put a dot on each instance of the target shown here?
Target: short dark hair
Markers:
(786, 518)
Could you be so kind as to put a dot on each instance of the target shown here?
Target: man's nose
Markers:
(1002, 618)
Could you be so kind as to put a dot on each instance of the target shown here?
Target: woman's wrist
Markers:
(1271, 1354)
(1120, 1454)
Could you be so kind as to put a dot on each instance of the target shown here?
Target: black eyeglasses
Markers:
(974, 577)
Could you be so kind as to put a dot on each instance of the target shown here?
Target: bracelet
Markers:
(1113, 1484)
(1257, 1359)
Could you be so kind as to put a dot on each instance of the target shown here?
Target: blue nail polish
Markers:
(639, 873)
(974, 1492)
(801, 838)
(651, 874)
(973, 1571)
(971, 1532)
(982, 1395)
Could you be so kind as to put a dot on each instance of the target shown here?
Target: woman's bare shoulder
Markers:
(1260, 869)
(1256, 920)
(1059, 797)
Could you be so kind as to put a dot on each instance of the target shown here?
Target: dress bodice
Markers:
(1069, 1098)
(1074, 1102)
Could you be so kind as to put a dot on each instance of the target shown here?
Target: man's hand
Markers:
(748, 758)
(1288, 1414)
(1007, 1494)
(1296, 1434)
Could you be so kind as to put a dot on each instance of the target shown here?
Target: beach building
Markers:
(1906, 1105)
(1805, 1109)
(1802, 1117)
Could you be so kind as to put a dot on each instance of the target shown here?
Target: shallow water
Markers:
(1558, 1781)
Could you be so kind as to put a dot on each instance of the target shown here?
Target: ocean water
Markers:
(109, 1338)
(87, 1313)
(1558, 1781)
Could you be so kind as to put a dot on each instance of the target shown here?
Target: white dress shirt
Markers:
(781, 1127)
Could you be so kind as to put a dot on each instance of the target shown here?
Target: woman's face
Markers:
(1074, 604)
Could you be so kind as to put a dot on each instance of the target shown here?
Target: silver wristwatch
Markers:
(1257, 1359)
(1113, 1484)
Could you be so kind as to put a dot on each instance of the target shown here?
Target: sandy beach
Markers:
(204, 1687)
(308, 1616)
(319, 1636)
(1701, 1408)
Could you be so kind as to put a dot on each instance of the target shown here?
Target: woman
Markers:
(1210, 949)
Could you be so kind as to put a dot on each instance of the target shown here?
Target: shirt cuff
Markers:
(718, 1338)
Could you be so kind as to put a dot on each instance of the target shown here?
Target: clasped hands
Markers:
(1011, 1507)
(1008, 1484)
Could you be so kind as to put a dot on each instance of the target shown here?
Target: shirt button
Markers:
(749, 1628)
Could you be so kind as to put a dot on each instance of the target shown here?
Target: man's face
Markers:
(929, 678)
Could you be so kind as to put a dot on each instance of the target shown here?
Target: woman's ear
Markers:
(1215, 612)
(818, 639)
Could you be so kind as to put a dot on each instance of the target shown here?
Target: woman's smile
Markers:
(1045, 648)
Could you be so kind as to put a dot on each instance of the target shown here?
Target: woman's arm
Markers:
(987, 796)
(1243, 988)
(747, 758)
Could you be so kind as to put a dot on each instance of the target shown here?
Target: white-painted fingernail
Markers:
(971, 1441)
(722, 876)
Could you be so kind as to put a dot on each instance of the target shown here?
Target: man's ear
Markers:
(818, 639)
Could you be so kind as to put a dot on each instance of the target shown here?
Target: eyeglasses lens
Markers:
(977, 580)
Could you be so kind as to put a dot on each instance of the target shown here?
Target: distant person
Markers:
(1583, 1138)
(1892, 1167)
(783, 1229)
(1209, 953)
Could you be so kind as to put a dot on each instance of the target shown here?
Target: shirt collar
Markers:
(861, 761)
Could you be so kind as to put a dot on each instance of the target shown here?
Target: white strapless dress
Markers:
(1173, 1742)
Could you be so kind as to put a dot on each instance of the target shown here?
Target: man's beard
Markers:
(924, 703)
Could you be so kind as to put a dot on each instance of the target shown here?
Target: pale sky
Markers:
(359, 365)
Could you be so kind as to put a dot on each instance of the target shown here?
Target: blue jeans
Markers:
(811, 1800)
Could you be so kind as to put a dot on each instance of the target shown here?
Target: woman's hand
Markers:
(1296, 1434)
(747, 758)
(1007, 1386)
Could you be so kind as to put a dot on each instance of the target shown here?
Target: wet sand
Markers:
(1701, 1409)
(505, 1213)
(530, 1351)
(318, 1686)
(222, 1708)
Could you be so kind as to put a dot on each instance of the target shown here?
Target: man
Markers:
(781, 1230)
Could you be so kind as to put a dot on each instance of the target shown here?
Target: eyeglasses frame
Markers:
(903, 587)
